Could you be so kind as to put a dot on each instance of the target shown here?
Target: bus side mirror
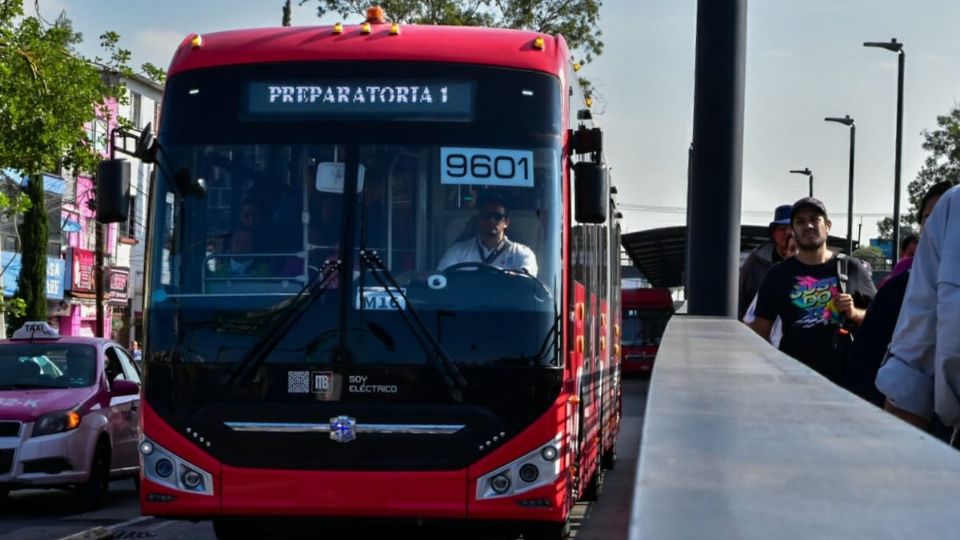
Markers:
(113, 190)
(586, 141)
(591, 187)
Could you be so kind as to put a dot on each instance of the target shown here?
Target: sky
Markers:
(805, 61)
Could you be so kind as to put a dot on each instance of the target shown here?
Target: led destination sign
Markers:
(363, 100)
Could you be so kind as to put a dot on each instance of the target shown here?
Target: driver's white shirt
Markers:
(515, 256)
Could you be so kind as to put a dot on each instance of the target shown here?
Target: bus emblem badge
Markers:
(343, 429)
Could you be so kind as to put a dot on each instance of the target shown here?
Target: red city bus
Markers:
(309, 353)
(646, 312)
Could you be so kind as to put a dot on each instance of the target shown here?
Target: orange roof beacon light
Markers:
(376, 15)
(538, 43)
(338, 29)
(197, 41)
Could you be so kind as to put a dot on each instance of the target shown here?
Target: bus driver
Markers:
(491, 246)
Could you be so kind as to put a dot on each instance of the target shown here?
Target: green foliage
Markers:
(942, 163)
(154, 73)
(49, 94)
(907, 226)
(32, 283)
(14, 308)
(576, 20)
(871, 255)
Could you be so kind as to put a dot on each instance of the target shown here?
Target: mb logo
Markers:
(322, 382)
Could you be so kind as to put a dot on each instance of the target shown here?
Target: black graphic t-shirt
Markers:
(804, 297)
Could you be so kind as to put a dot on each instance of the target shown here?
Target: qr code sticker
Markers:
(298, 382)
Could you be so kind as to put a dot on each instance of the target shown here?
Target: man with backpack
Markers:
(819, 296)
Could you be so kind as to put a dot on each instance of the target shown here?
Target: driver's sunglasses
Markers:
(495, 216)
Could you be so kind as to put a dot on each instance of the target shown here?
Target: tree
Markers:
(575, 19)
(49, 94)
(943, 163)
(871, 255)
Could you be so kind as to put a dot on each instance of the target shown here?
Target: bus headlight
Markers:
(165, 468)
(500, 483)
(529, 473)
(538, 468)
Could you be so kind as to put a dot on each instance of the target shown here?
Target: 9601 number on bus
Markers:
(488, 166)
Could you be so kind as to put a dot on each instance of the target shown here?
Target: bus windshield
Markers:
(644, 327)
(429, 214)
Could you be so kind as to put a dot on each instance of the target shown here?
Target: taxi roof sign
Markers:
(36, 330)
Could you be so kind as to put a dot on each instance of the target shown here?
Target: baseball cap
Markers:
(781, 216)
(808, 202)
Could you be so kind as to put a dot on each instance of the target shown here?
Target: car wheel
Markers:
(226, 529)
(94, 492)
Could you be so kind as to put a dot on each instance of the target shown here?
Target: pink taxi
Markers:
(68, 412)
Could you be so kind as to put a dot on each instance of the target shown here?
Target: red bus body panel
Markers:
(454, 44)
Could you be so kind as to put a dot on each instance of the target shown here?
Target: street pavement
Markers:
(53, 514)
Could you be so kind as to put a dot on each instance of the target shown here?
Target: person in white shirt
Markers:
(921, 373)
(491, 245)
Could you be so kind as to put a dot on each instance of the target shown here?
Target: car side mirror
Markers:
(124, 388)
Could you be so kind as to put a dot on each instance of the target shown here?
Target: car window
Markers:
(112, 366)
(129, 367)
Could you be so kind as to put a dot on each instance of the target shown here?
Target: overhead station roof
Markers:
(660, 254)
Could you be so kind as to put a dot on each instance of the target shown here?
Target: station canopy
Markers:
(660, 254)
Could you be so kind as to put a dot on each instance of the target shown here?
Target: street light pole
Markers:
(807, 172)
(897, 47)
(847, 121)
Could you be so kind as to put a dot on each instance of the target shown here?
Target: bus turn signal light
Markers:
(338, 29)
(376, 15)
(197, 41)
(538, 43)
(394, 29)
(365, 28)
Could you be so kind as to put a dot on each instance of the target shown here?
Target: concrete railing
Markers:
(742, 441)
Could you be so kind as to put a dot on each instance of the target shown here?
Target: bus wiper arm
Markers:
(295, 309)
(440, 358)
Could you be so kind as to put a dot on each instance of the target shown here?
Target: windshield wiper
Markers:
(315, 288)
(441, 360)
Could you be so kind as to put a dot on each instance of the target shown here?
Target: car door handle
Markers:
(134, 406)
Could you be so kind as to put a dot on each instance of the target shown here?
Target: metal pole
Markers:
(896, 175)
(853, 138)
(98, 277)
(811, 184)
(713, 212)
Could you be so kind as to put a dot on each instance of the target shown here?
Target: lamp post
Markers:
(807, 172)
(847, 121)
(894, 46)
